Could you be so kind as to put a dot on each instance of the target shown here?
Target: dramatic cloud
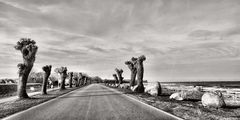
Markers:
(181, 38)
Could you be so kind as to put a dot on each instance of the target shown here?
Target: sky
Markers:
(181, 39)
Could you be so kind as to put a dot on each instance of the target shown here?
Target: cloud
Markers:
(233, 31)
(204, 35)
(97, 36)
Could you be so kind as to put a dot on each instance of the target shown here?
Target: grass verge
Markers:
(188, 109)
(11, 107)
(14, 93)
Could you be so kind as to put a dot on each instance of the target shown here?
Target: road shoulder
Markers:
(131, 97)
(10, 108)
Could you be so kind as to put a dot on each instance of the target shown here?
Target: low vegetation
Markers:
(8, 90)
(187, 109)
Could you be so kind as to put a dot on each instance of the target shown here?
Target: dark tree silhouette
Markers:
(115, 78)
(85, 80)
(28, 49)
(82, 79)
(133, 68)
(70, 75)
(80, 76)
(140, 72)
(119, 73)
(75, 78)
(63, 73)
(47, 72)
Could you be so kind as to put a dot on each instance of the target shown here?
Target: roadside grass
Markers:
(11, 107)
(187, 109)
(37, 88)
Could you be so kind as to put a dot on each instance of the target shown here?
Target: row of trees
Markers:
(28, 48)
(137, 70)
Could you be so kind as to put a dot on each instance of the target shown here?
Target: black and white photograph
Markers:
(120, 59)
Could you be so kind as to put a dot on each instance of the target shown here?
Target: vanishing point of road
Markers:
(93, 102)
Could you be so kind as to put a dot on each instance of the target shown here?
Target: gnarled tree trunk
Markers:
(47, 72)
(132, 66)
(119, 73)
(76, 80)
(63, 77)
(80, 78)
(70, 79)
(85, 80)
(28, 50)
(116, 78)
(22, 83)
(140, 72)
(63, 74)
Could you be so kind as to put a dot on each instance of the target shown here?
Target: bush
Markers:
(6, 89)
(35, 77)
(11, 89)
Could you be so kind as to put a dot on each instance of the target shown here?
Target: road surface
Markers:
(93, 102)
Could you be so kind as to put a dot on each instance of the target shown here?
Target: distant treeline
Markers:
(124, 81)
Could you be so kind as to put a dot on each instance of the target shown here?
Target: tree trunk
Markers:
(28, 50)
(70, 79)
(85, 81)
(116, 78)
(70, 83)
(119, 74)
(140, 86)
(133, 77)
(79, 82)
(47, 70)
(44, 85)
(140, 72)
(62, 85)
(132, 66)
(82, 81)
(22, 83)
(63, 74)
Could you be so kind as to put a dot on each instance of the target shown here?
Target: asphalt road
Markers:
(94, 102)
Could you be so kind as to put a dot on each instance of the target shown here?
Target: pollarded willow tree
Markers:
(133, 68)
(82, 79)
(140, 72)
(70, 75)
(47, 71)
(115, 78)
(28, 49)
(85, 79)
(75, 78)
(119, 73)
(80, 76)
(63, 75)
